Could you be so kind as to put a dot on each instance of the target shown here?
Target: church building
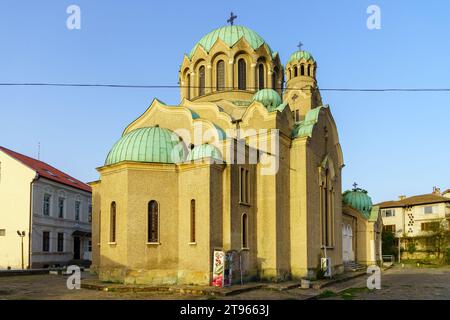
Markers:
(248, 162)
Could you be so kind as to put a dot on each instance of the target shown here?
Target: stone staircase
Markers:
(354, 266)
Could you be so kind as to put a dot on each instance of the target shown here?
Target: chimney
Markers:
(401, 197)
(437, 190)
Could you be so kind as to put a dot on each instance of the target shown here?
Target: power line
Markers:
(130, 86)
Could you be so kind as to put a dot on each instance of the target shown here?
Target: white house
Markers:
(46, 209)
(417, 215)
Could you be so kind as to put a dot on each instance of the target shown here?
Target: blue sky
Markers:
(393, 143)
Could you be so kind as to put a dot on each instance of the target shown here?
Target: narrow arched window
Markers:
(309, 71)
(274, 78)
(244, 231)
(153, 221)
(295, 71)
(113, 213)
(201, 81)
(242, 75)
(261, 76)
(188, 80)
(220, 72)
(192, 220)
(302, 70)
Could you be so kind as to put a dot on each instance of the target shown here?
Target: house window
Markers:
(220, 81)
(297, 115)
(429, 226)
(192, 220)
(244, 231)
(90, 213)
(61, 207)
(46, 209)
(153, 222)
(60, 242)
(2, 232)
(429, 209)
(388, 213)
(389, 228)
(46, 241)
(77, 210)
(201, 81)
(112, 235)
(242, 75)
(261, 76)
(89, 246)
(244, 183)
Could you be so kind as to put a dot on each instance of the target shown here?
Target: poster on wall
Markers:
(218, 268)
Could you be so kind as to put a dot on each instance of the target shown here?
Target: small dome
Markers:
(151, 144)
(230, 35)
(204, 151)
(269, 98)
(298, 55)
(358, 199)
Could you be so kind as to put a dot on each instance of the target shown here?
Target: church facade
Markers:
(248, 162)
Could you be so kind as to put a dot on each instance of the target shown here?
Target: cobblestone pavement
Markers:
(397, 283)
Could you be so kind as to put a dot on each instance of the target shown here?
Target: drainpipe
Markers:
(30, 226)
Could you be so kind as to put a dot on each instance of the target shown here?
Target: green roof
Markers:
(298, 55)
(204, 151)
(269, 98)
(230, 35)
(150, 144)
(305, 128)
(358, 199)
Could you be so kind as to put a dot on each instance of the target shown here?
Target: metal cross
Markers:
(355, 186)
(232, 18)
(300, 45)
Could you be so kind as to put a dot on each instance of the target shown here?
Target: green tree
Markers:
(440, 235)
(388, 246)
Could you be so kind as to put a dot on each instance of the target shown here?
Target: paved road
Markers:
(397, 283)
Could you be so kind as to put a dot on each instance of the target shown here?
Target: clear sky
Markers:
(393, 143)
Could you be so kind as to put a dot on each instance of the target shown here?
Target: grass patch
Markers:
(350, 294)
(326, 294)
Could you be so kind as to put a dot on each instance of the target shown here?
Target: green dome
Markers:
(230, 35)
(269, 98)
(151, 144)
(298, 55)
(358, 199)
(204, 151)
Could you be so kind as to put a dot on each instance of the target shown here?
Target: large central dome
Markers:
(230, 35)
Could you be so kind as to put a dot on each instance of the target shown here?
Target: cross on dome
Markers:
(232, 18)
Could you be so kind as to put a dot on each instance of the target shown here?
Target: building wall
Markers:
(54, 224)
(15, 185)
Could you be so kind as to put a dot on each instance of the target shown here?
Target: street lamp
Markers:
(21, 235)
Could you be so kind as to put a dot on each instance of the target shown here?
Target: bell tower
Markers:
(302, 93)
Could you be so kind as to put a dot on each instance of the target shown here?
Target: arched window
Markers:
(274, 79)
(192, 220)
(242, 75)
(220, 81)
(309, 70)
(260, 76)
(112, 234)
(244, 231)
(153, 222)
(295, 71)
(188, 80)
(302, 70)
(201, 81)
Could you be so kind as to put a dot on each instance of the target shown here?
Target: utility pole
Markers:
(21, 235)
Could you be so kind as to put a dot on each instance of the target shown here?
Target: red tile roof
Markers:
(47, 171)
(414, 201)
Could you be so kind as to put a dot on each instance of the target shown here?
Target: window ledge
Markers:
(245, 249)
(245, 204)
(112, 243)
(192, 243)
(154, 243)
